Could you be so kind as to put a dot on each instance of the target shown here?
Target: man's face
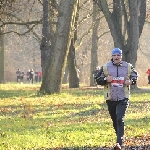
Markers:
(117, 58)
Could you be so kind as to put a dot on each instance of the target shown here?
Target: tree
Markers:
(53, 74)
(72, 66)
(48, 30)
(3, 6)
(94, 57)
(45, 43)
(1, 55)
(125, 20)
(73, 70)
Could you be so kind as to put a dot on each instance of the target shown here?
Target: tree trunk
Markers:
(73, 72)
(65, 76)
(94, 58)
(133, 36)
(1, 56)
(52, 78)
(72, 67)
(45, 43)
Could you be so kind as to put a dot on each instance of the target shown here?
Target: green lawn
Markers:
(74, 119)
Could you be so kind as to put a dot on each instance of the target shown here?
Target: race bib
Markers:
(117, 82)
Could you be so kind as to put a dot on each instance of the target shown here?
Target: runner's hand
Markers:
(128, 82)
(109, 78)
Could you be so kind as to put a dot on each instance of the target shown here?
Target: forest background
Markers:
(22, 46)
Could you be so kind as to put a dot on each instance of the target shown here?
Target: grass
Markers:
(74, 119)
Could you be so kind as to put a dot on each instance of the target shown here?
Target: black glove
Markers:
(101, 80)
(133, 81)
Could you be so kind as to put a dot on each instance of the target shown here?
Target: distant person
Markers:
(78, 74)
(40, 76)
(31, 73)
(21, 77)
(95, 72)
(28, 76)
(18, 72)
(148, 72)
(36, 76)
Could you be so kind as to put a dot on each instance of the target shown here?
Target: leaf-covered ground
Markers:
(24, 113)
(135, 143)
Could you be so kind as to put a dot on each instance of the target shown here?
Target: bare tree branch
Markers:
(22, 23)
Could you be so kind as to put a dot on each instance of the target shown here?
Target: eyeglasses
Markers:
(116, 55)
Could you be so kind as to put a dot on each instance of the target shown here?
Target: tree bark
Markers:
(1, 56)
(94, 58)
(45, 43)
(72, 67)
(65, 76)
(52, 78)
(73, 71)
(133, 36)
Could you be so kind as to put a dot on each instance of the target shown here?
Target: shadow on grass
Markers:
(140, 90)
(85, 109)
(78, 148)
(81, 110)
(16, 93)
(72, 91)
(35, 93)
(146, 147)
(84, 92)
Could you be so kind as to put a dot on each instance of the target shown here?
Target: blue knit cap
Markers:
(116, 51)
